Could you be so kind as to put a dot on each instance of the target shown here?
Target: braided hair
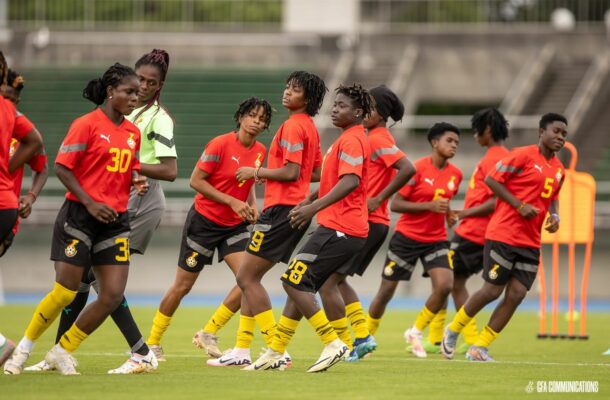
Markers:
(159, 59)
(314, 87)
(253, 103)
(494, 119)
(96, 88)
(360, 96)
(3, 69)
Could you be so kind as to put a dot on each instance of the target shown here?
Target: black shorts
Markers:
(325, 252)
(404, 253)
(8, 219)
(376, 237)
(272, 236)
(465, 256)
(200, 237)
(502, 261)
(80, 239)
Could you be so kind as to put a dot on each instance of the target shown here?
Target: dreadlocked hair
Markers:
(96, 88)
(314, 87)
(159, 59)
(360, 96)
(3, 69)
(494, 119)
(253, 103)
(15, 80)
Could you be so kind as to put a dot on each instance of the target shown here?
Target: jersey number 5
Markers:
(548, 188)
(121, 158)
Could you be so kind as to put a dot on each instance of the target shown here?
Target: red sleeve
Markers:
(318, 160)
(136, 164)
(351, 157)
(507, 167)
(210, 159)
(22, 126)
(485, 168)
(384, 150)
(292, 142)
(75, 143)
(407, 189)
(38, 161)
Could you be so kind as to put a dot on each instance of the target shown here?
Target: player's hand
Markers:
(140, 183)
(254, 216)
(102, 212)
(25, 205)
(372, 204)
(452, 218)
(552, 223)
(528, 211)
(299, 216)
(242, 209)
(440, 205)
(244, 173)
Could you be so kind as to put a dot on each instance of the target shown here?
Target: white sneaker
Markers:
(158, 351)
(14, 365)
(137, 364)
(270, 360)
(40, 367)
(61, 360)
(414, 340)
(208, 342)
(333, 353)
(232, 358)
(288, 359)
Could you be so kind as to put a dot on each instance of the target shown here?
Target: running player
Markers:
(157, 162)
(223, 209)
(421, 234)
(527, 183)
(490, 130)
(38, 163)
(98, 163)
(294, 161)
(341, 206)
(389, 171)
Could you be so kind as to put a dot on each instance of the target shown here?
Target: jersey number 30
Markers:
(121, 159)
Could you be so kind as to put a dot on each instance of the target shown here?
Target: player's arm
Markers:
(288, 173)
(400, 204)
(99, 211)
(524, 209)
(252, 203)
(316, 174)
(406, 170)
(30, 145)
(200, 183)
(38, 181)
(299, 216)
(481, 210)
(167, 170)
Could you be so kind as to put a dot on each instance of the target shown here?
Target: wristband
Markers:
(520, 206)
(33, 195)
(556, 216)
(256, 178)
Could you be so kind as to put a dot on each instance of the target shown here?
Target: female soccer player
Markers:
(157, 162)
(420, 232)
(527, 182)
(223, 209)
(98, 163)
(341, 206)
(390, 170)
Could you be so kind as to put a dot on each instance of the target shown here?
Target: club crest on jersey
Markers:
(451, 184)
(493, 272)
(192, 260)
(131, 142)
(388, 270)
(257, 162)
(13, 147)
(558, 175)
(70, 250)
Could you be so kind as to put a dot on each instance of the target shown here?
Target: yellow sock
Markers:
(245, 332)
(437, 327)
(423, 319)
(322, 326)
(48, 309)
(340, 326)
(267, 325)
(159, 326)
(460, 320)
(286, 328)
(357, 319)
(221, 316)
(486, 337)
(470, 332)
(372, 324)
(72, 338)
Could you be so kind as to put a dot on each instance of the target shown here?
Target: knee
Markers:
(385, 295)
(110, 300)
(491, 292)
(444, 288)
(242, 281)
(182, 288)
(515, 295)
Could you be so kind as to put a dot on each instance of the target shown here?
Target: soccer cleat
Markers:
(431, 348)
(415, 340)
(208, 342)
(361, 347)
(478, 353)
(288, 359)
(61, 360)
(137, 364)
(6, 350)
(40, 367)
(270, 360)
(448, 343)
(231, 358)
(158, 351)
(462, 349)
(14, 365)
(333, 353)
(606, 353)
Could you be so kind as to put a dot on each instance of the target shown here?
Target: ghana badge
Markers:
(191, 261)
(70, 250)
(131, 142)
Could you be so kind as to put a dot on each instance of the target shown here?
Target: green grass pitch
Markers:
(391, 373)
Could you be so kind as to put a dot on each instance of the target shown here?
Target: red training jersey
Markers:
(101, 155)
(348, 155)
(473, 228)
(222, 156)
(384, 154)
(429, 183)
(532, 179)
(8, 114)
(297, 140)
